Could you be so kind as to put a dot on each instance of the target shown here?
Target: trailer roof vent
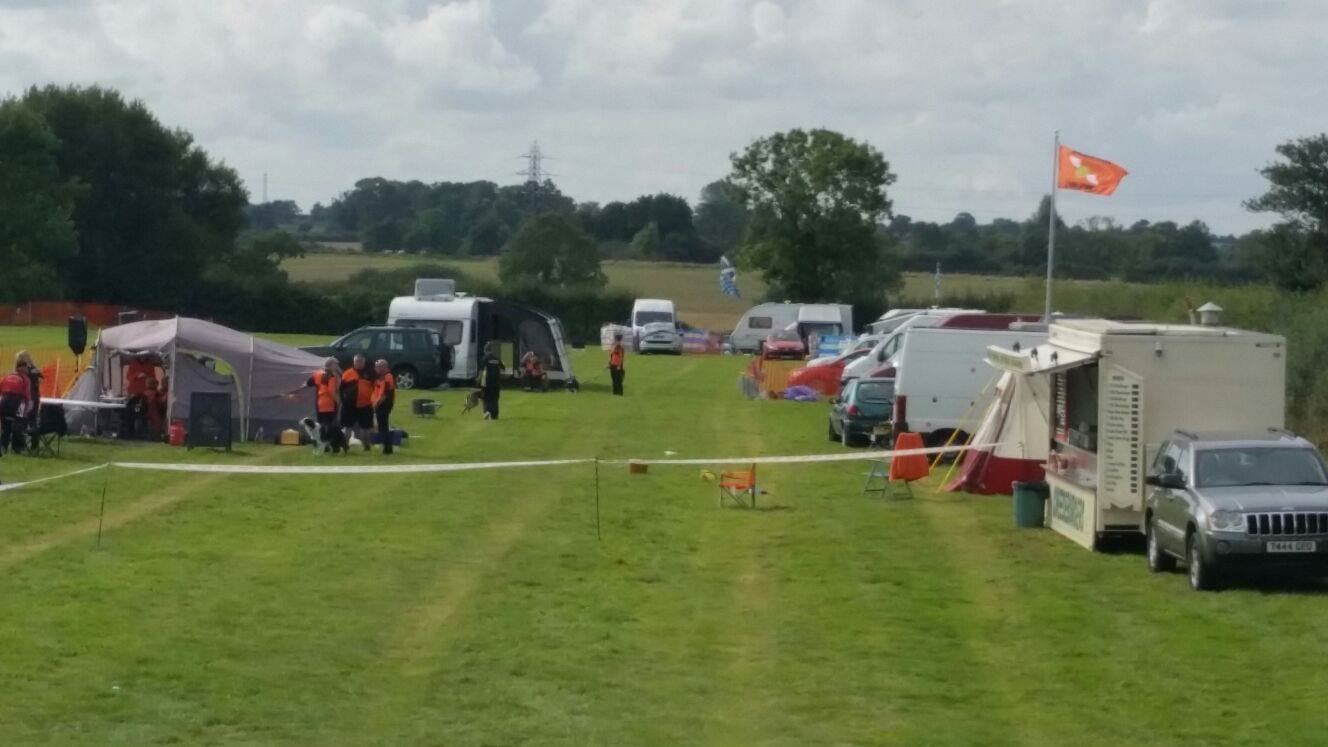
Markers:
(1210, 315)
(435, 289)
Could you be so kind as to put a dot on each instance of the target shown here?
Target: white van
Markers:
(895, 318)
(808, 318)
(943, 382)
(466, 324)
(655, 326)
(890, 342)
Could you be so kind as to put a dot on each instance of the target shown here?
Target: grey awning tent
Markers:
(265, 379)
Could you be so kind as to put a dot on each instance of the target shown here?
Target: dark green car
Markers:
(413, 353)
(860, 408)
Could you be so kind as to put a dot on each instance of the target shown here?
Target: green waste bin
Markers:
(1030, 504)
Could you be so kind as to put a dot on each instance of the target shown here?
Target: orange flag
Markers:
(1088, 174)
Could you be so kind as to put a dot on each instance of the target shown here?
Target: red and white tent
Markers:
(1011, 444)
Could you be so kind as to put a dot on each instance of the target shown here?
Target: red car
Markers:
(785, 344)
(825, 377)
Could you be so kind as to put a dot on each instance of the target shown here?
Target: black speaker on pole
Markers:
(209, 420)
(78, 335)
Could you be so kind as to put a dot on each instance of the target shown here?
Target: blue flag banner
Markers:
(728, 278)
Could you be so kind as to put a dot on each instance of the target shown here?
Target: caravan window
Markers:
(760, 322)
(453, 330)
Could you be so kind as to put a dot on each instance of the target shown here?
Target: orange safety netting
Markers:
(58, 312)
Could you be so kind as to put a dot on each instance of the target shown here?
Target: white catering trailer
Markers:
(1115, 390)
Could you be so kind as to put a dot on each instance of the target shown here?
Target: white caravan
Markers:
(467, 324)
(943, 383)
(1113, 393)
(655, 326)
(808, 318)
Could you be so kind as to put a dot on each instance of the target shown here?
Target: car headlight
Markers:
(1226, 521)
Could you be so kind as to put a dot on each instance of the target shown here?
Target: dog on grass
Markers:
(332, 440)
(473, 400)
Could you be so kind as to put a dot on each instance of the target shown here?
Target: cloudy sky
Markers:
(653, 95)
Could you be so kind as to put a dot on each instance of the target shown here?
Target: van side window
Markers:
(759, 322)
(418, 342)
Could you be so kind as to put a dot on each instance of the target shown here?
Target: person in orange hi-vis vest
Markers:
(384, 397)
(327, 387)
(616, 370)
(357, 386)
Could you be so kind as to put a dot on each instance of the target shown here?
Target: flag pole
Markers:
(1051, 220)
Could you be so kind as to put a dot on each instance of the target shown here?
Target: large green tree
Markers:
(551, 250)
(816, 198)
(36, 207)
(153, 209)
(1296, 251)
(720, 217)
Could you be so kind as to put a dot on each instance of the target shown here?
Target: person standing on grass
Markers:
(327, 385)
(616, 370)
(357, 388)
(493, 371)
(384, 397)
(35, 376)
(15, 396)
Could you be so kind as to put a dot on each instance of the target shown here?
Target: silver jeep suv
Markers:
(1219, 501)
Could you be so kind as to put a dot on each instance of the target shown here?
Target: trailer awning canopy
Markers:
(1043, 359)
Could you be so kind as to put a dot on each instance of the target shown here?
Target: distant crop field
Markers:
(694, 288)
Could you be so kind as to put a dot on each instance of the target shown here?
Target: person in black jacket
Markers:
(493, 371)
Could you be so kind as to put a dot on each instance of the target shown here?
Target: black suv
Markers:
(412, 353)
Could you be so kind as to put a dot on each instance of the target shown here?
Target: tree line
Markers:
(480, 218)
(99, 201)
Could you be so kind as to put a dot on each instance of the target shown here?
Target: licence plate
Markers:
(1299, 546)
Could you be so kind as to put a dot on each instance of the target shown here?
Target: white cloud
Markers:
(1190, 95)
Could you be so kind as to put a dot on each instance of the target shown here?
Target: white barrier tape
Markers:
(17, 485)
(869, 454)
(386, 469)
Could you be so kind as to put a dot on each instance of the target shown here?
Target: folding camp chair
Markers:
(734, 486)
(46, 436)
(899, 469)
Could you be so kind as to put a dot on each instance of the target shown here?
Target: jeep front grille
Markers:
(1287, 523)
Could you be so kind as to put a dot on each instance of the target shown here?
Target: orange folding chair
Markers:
(738, 485)
(899, 469)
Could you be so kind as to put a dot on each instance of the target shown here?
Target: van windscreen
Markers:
(649, 317)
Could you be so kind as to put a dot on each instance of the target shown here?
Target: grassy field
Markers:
(480, 608)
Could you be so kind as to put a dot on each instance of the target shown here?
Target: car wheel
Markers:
(1158, 559)
(406, 377)
(1203, 576)
(830, 426)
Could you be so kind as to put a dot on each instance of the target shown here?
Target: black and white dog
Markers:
(332, 439)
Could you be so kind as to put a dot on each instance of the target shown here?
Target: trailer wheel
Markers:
(1158, 559)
